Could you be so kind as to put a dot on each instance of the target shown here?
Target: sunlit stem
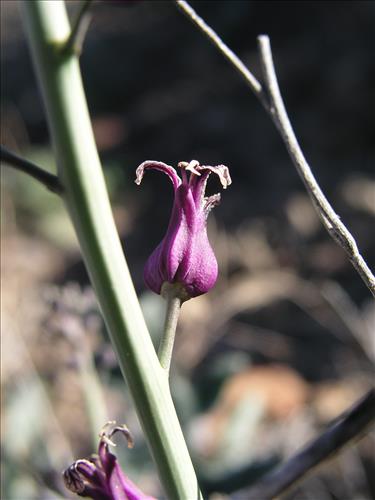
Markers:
(174, 303)
(93, 395)
(87, 201)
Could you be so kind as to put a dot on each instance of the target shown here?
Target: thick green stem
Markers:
(86, 198)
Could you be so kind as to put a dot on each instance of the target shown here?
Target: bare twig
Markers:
(270, 97)
(50, 181)
(330, 219)
(250, 79)
(350, 426)
(80, 26)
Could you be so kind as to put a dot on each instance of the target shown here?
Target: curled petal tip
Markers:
(222, 172)
(157, 165)
(139, 173)
(110, 429)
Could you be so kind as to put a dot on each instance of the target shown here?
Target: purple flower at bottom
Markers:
(100, 477)
(185, 256)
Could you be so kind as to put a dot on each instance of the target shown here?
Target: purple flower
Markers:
(100, 477)
(185, 256)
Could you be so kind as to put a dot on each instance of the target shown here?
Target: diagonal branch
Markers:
(80, 27)
(350, 426)
(250, 79)
(50, 181)
(270, 97)
(330, 219)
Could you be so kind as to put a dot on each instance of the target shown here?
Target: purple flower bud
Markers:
(185, 256)
(101, 477)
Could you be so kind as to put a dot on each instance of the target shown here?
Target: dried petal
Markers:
(157, 165)
(222, 171)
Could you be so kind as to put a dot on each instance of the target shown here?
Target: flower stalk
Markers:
(86, 199)
(172, 294)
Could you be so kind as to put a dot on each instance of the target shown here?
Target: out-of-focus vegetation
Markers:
(285, 341)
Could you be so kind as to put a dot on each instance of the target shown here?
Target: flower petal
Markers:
(203, 269)
(198, 184)
(222, 171)
(101, 477)
(153, 272)
(84, 478)
(185, 256)
(120, 486)
(88, 470)
(190, 166)
(211, 202)
(157, 165)
(73, 480)
(179, 239)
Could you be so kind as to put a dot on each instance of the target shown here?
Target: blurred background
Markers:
(285, 341)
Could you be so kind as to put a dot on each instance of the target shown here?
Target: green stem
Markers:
(87, 201)
(96, 407)
(171, 319)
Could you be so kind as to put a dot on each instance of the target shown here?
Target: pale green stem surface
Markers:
(96, 407)
(86, 198)
(171, 319)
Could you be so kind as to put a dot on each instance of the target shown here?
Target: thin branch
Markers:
(330, 219)
(350, 426)
(270, 97)
(79, 29)
(50, 181)
(250, 79)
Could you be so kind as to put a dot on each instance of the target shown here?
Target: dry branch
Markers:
(270, 97)
(50, 181)
(350, 426)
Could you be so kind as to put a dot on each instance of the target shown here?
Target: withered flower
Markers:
(100, 477)
(185, 256)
